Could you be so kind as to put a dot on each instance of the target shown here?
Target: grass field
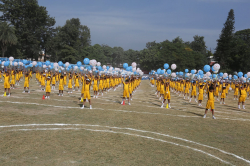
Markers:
(57, 132)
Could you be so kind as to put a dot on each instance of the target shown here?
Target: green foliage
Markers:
(33, 26)
(7, 36)
(225, 43)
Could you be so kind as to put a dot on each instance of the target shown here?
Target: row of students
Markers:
(210, 89)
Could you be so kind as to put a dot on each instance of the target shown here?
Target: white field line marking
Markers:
(143, 105)
(135, 135)
(131, 129)
(184, 116)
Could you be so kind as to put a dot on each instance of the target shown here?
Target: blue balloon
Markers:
(214, 75)
(245, 75)
(86, 61)
(235, 77)
(206, 68)
(166, 66)
(221, 74)
(127, 69)
(192, 71)
(79, 63)
(162, 72)
(47, 63)
(169, 71)
(60, 63)
(240, 74)
(177, 73)
(108, 68)
(6, 63)
(181, 73)
(125, 65)
(24, 61)
(200, 72)
(186, 70)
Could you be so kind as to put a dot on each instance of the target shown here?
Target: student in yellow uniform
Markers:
(223, 95)
(48, 88)
(162, 91)
(126, 91)
(210, 102)
(166, 95)
(200, 97)
(242, 98)
(87, 93)
(54, 81)
(26, 82)
(187, 87)
(61, 85)
(43, 82)
(77, 83)
(216, 92)
(7, 82)
(101, 85)
(95, 86)
(236, 91)
(13, 80)
(70, 84)
(193, 92)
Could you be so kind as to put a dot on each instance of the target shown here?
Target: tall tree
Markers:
(30, 21)
(7, 36)
(224, 43)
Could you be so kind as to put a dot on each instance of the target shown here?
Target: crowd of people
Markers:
(198, 89)
(72, 81)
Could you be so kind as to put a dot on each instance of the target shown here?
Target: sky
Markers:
(130, 24)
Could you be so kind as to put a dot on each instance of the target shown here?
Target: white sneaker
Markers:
(96, 96)
(161, 106)
(184, 97)
(23, 92)
(122, 102)
(224, 103)
(46, 97)
(90, 107)
(213, 117)
(204, 116)
(62, 94)
(28, 91)
(102, 94)
(220, 102)
(169, 106)
(129, 104)
(131, 99)
(82, 107)
(8, 95)
(190, 100)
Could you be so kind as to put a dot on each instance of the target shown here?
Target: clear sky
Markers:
(132, 23)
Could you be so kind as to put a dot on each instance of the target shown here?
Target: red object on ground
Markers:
(43, 97)
(123, 103)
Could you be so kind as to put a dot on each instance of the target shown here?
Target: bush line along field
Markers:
(57, 132)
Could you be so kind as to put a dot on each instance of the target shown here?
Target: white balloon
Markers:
(208, 74)
(134, 69)
(216, 66)
(67, 64)
(11, 58)
(225, 75)
(15, 63)
(3, 63)
(76, 67)
(133, 64)
(230, 76)
(55, 65)
(98, 64)
(34, 63)
(173, 74)
(104, 67)
(173, 66)
(44, 66)
(20, 63)
(216, 71)
(248, 74)
(81, 68)
(56, 69)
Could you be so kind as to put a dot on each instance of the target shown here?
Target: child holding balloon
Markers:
(26, 82)
(210, 102)
(7, 83)
(242, 98)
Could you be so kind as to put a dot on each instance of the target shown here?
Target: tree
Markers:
(31, 22)
(7, 36)
(199, 44)
(224, 43)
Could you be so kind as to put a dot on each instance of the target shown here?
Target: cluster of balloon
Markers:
(130, 70)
